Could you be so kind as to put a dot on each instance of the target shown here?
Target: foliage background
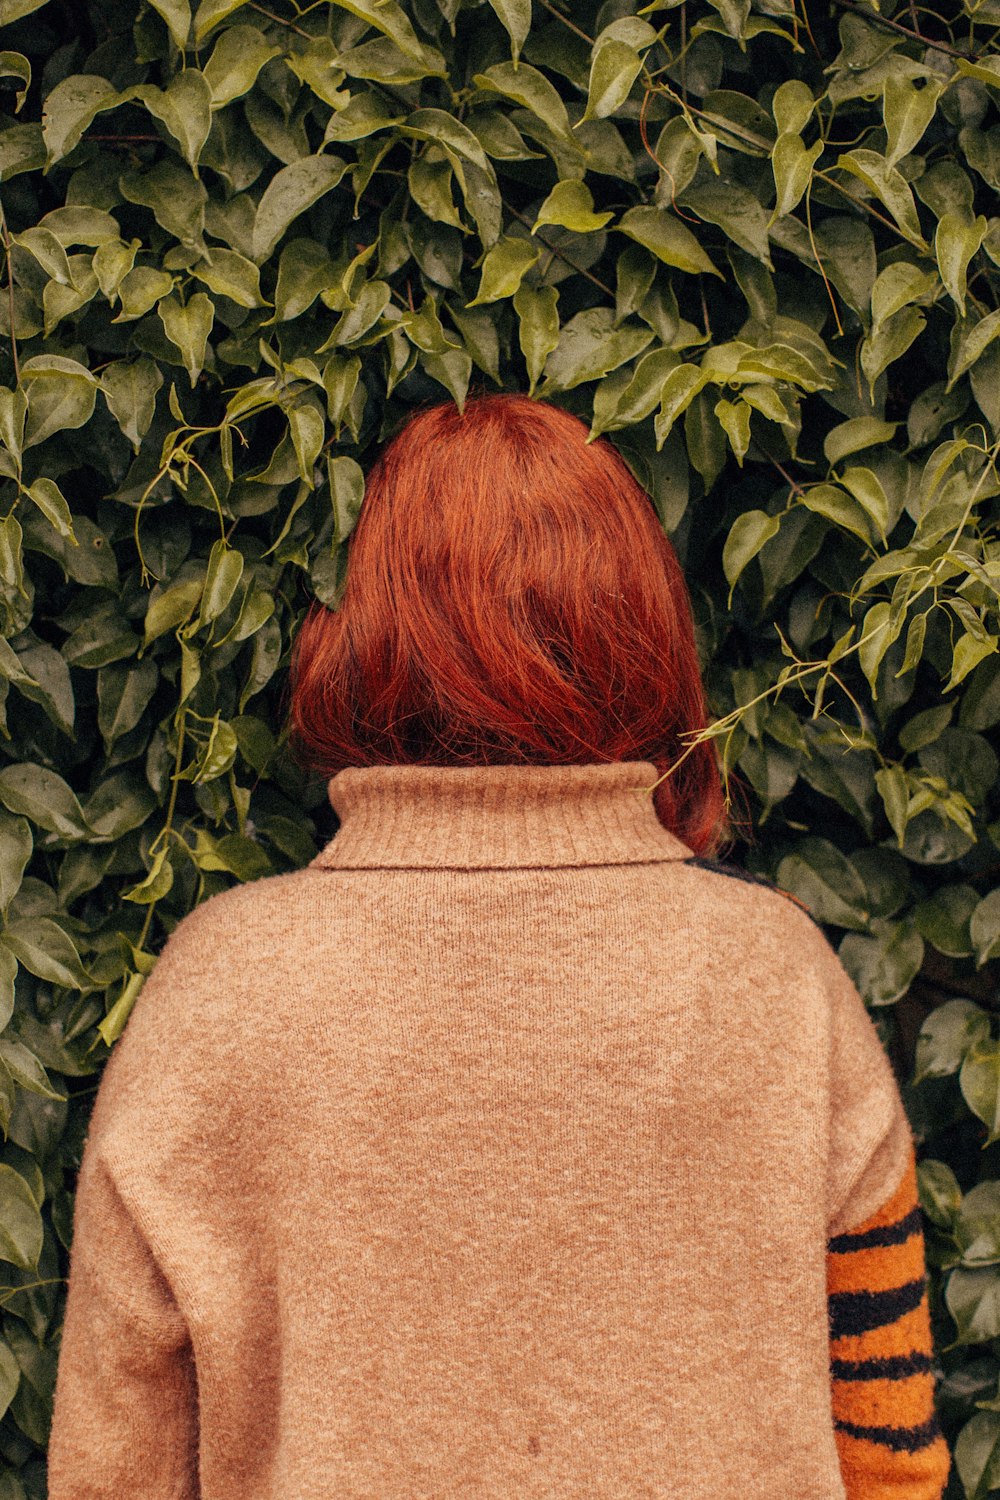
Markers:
(752, 240)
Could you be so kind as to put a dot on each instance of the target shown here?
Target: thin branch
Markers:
(280, 20)
(915, 36)
(819, 260)
(796, 488)
(580, 270)
(5, 233)
(566, 21)
(860, 203)
(662, 165)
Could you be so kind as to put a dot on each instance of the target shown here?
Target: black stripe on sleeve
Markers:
(853, 1313)
(887, 1234)
(883, 1367)
(908, 1439)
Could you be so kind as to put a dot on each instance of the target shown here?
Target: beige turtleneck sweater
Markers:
(505, 1152)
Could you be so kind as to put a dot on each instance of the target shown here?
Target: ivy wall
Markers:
(753, 241)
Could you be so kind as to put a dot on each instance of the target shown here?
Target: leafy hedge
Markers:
(751, 240)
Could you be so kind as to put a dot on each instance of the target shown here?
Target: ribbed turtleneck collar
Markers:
(499, 817)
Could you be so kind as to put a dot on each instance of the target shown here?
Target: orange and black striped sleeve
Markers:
(882, 1381)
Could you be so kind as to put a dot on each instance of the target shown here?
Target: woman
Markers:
(512, 1148)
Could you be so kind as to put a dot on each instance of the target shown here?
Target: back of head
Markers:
(510, 598)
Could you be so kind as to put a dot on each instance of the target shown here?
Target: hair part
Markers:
(510, 597)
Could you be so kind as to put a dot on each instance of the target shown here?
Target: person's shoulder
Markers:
(724, 885)
(231, 925)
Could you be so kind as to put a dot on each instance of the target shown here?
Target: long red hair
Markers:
(510, 597)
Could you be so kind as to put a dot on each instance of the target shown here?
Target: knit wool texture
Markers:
(493, 1154)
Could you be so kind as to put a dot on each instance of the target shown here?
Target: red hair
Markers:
(510, 597)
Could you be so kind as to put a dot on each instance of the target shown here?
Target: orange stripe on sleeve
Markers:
(882, 1381)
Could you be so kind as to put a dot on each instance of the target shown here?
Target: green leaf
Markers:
(123, 694)
(907, 112)
(734, 419)
(391, 21)
(21, 1232)
(371, 303)
(738, 213)
(895, 793)
(69, 109)
(979, 1080)
(853, 435)
(430, 182)
(571, 206)
(881, 626)
(157, 883)
(825, 879)
(236, 60)
(61, 394)
(968, 342)
(884, 966)
(47, 950)
(188, 325)
(346, 482)
(940, 1194)
(140, 289)
(516, 18)
(947, 1034)
(13, 10)
(225, 569)
(613, 70)
(42, 796)
(524, 85)
(51, 502)
(978, 1448)
(211, 12)
(747, 535)
(364, 116)
(308, 430)
(304, 270)
(667, 238)
(889, 186)
(867, 490)
(171, 607)
(289, 193)
(589, 347)
(177, 14)
(174, 196)
(679, 390)
(538, 326)
(15, 65)
(890, 342)
(47, 250)
(792, 163)
(452, 369)
(641, 395)
(184, 107)
(25, 1069)
(130, 388)
(318, 67)
(16, 845)
(969, 651)
(792, 106)
(973, 1299)
(984, 928)
(503, 269)
(955, 243)
(231, 275)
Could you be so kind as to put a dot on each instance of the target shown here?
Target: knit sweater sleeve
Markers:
(125, 1411)
(125, 1417)
(882, 1381)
